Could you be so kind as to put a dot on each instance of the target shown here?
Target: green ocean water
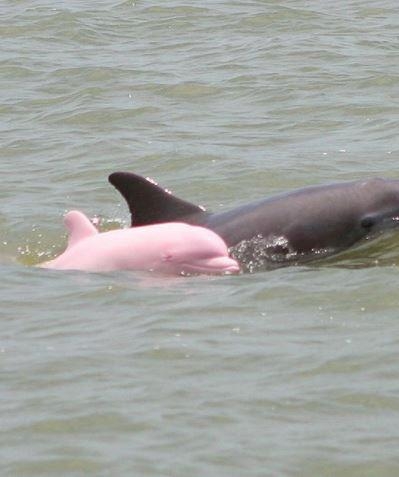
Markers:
(291, 372)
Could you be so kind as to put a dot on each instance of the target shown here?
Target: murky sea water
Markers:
(291, 372)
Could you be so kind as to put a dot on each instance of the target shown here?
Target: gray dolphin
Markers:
(300, 225)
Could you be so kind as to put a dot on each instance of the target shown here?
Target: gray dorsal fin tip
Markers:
(149, 203)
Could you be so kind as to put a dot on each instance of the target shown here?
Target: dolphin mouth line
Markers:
(214, 269)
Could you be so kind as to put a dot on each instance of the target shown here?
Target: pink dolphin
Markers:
(170, 247)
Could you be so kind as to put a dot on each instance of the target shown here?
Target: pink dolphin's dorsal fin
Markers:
(78, 226)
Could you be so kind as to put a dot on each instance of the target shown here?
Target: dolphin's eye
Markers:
(167, 257)
(367, 222)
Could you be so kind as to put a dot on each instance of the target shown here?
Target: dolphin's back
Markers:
(310, 218)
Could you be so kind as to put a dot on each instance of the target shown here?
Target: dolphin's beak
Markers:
(214, 265)
(225, 264)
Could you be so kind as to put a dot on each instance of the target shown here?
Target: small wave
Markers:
(260, 253)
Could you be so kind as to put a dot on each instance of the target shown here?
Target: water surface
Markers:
(290, 372)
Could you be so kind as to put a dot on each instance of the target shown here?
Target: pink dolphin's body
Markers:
(170, 247)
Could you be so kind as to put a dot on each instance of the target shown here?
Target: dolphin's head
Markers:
(198, 250)
(381, 204)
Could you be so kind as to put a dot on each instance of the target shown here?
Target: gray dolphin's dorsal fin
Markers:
(78, 226)
(150, 204)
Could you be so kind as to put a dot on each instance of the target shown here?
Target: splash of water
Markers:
(260, 253)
